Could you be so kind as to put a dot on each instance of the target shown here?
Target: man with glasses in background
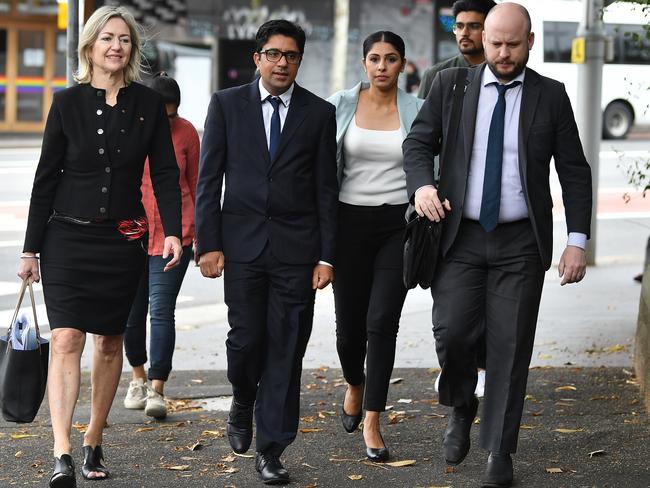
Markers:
(273, 236)
(469, 16)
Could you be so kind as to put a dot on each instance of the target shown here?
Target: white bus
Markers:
(626, 79)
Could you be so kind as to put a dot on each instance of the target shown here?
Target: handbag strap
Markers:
(21, 294)
(459, 88)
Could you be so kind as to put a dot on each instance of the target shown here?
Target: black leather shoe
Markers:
(498, 472)
(240, 427)
(350, 422)
(93, 457)
(378, 454)
(270, 469)
(63, 475)
(456, 442)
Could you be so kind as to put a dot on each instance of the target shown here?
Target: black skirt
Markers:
(90, 274)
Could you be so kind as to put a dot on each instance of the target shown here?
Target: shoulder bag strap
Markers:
(459, 88)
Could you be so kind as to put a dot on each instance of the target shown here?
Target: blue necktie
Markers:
(491, 200)
(274, 140)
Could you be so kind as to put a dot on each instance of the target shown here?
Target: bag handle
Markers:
(26, 283)
(460, 85)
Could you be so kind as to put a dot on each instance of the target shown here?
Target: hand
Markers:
(28, 269)
(427, 204)
(212, 264)
(172, 246)
(573, 265)
(323, 275)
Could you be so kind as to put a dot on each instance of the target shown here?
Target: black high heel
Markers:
(351, 422)
(378, 454)
(63, 475)
(93, 458)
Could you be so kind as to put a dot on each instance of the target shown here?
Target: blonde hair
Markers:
(91, 31)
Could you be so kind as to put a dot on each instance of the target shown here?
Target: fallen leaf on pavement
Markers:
(80, 427)
(404, 400)
(211, 433)
(568, 387)
(309, 466)
(355, 477)
(249, 456)
(544, 356)
(554, 470)
(568, 431)
(22, 436)
(527, 427)
(394, 381)
(599, 452)
(309, 431)
(230, 470)
(401, 464)
(450, 469)
(228, 459)
(182, 467)
(18, 454)
(197, 446)
(145, 429)
(615, 348)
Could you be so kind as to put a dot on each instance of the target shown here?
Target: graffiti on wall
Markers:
(243, 22)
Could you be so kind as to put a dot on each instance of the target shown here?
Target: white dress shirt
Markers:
(513, 205)
(267, 108)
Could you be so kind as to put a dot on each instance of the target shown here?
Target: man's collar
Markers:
(488, 77)
(285, 97)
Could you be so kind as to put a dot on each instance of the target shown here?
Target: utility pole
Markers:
(590, 49)
(73, 40)
(340, 45)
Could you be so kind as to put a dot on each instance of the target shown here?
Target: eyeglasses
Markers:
(274, 55)
(472, 26)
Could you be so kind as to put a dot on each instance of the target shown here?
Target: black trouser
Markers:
(369, 294)
(491, 278)
(270, 312)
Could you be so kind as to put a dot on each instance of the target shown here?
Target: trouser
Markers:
(157, 293)
(369, 293)
(270, 312)
(495, 278)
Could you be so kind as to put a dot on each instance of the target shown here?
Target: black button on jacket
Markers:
(93, 157)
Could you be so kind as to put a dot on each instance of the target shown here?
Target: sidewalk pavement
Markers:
(582, 427)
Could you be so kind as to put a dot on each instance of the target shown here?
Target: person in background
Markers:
(497, 228)
(372, 120)
(412, 77)
(87, 222)
(158, 290)
(469, 16)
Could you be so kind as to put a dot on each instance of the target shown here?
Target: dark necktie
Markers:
(491, 200)
(274, 139)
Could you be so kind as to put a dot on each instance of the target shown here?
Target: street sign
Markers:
(578, 50)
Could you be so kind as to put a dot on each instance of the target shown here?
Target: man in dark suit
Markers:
(496, 240)
(273, 236)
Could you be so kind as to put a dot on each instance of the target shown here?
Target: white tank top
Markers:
(373, 173)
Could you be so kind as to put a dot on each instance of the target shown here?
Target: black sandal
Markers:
(63, 476)
(93, 458)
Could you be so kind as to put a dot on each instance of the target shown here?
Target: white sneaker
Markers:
(136, 396)
(480, 384)
(156, 406)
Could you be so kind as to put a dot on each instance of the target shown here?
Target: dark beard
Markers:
(518, 69)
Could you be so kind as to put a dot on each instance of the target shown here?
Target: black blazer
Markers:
(547, 129)
(289, 202)
(91, 164)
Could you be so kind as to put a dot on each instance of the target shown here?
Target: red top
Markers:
(186, 147)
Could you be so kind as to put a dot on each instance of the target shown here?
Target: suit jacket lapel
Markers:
(529, 101)
(295, 116)
(470, 107)
(252, 107)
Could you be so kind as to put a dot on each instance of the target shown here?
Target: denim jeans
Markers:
(157, 292)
